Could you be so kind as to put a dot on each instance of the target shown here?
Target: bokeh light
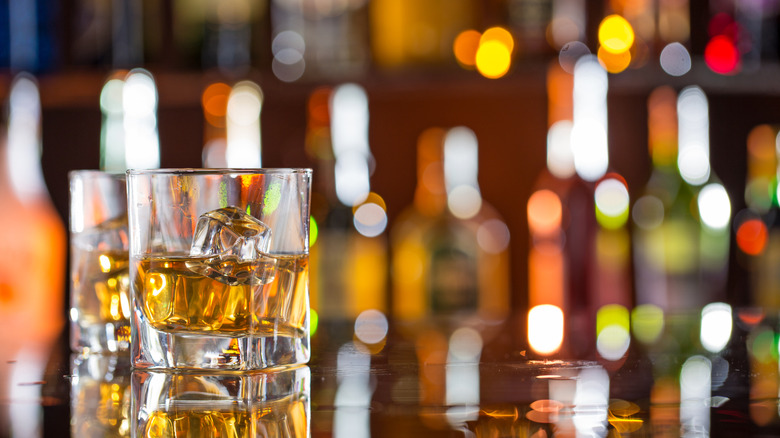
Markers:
(611, 201)
(616, 34)
(612, 331)
(371, 326)
(752, 236)
(675, 59)
(545, 328)
(465, 47)
(314, 321)
(500, 35)
(288, 48)
(560, 160)
(716, 323)
(589, 133)
(493, 236)
(570, 53)
(648, 212)
(370, 219)
(722, 55)
(647, 323)
(614, 62)
(215, 101)
(693, 135)
(714, 206)
(544, 212)
(493, 59)
(314, 231)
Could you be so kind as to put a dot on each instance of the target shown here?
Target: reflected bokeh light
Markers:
(545, 328)
(695, 393)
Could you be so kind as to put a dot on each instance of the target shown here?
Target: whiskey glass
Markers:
(99, 264)
(219, 268)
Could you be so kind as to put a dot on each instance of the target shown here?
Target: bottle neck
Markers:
(430, 196)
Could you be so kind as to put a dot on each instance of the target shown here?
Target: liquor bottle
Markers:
(33, 257)
(32, 261)
(449, 248)
(327, 41)
(349, 255)
(681, 235)
(758, 226)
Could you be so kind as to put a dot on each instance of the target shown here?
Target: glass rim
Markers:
(96, 172)
(221, 171)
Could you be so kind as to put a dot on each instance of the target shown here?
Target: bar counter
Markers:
(702, 375)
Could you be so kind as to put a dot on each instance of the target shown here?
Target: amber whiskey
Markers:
(223, 296)
(101, 290)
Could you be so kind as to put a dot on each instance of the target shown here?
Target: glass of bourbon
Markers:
(99, 266)
(219, 268)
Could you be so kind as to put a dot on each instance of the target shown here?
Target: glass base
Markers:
(154, 349)
(109, 337)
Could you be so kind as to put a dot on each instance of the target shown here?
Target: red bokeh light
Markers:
(752, 236)
(721, 55)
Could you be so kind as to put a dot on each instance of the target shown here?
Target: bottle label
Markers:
(453, 281)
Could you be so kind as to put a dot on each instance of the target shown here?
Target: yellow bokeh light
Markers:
(614, 62)
(493, 59)
(465, 47)
(498, 34)
(616, 34)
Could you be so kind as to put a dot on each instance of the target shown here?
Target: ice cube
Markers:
(110, 235)
(232, 247)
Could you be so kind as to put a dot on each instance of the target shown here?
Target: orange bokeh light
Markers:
(752, 236)
(214, 101)
(465, 47)
(500, 35)
(544, 212)
(614, 62)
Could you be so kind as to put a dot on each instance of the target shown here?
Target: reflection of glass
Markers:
(274, 404)
(100, 302)
(100, 395)
(219, 268)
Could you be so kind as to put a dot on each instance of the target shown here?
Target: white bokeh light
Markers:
(560, 160)
(675, 59)
(716, 325)
(714, 206)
